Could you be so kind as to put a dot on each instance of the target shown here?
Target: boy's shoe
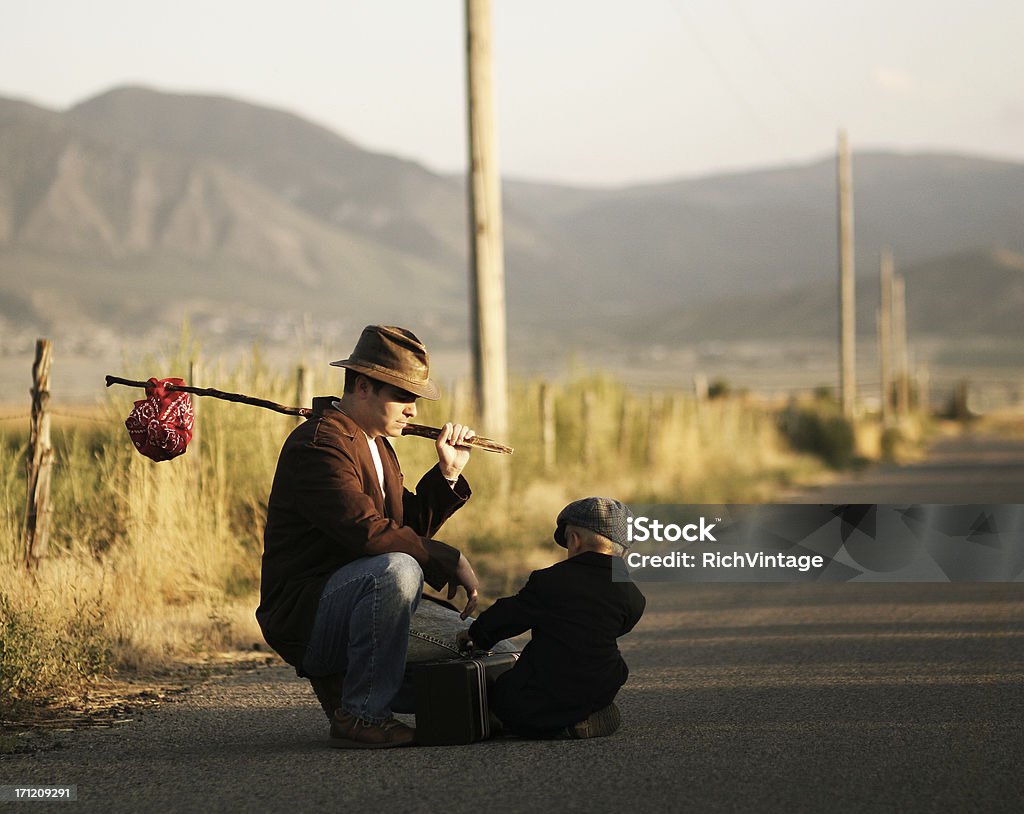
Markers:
(597, 724)
(350, 732)
(328, 691)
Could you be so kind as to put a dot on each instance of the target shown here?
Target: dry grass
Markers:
(1008, 422)
(155, 563)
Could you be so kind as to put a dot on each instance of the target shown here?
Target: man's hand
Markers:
(452, 450)
(466, 577)
(463, 641)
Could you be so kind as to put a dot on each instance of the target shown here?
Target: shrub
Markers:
(42, 656)
(820, 430)
(891, 441)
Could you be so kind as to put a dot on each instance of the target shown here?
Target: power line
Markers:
(724, 77)
(757, 44)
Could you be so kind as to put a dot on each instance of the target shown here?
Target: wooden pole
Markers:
(924, 396)
(847, 314)
(587, 414)
(40, 458)
(899, 327)
(700, 388)
(961, 399)
(457, 401)
(625, 429)
(653, 436)
(885, 334)
(487, 272)
(547, 425)
(303, 390)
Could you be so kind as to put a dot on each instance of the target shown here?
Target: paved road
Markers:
(837, 698)
(974, 468)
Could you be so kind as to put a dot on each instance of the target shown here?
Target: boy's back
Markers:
(572, 667)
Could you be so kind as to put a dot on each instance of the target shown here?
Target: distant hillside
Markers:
(136, 207)
(175, 229)
(974, 293)
(732, 234)
(318, 172)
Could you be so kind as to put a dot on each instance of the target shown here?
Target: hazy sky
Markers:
(588, 91)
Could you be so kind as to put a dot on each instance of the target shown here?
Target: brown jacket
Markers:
(326, 510)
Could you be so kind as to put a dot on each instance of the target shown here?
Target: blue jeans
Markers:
(369, 623)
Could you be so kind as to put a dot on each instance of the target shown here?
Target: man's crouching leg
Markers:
(361, 630)
(328, 691)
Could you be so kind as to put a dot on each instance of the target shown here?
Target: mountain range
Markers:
(136, 208)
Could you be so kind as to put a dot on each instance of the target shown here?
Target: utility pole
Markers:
(899, 330)
(885, 333)
(487, 271)
(923, 389)
(847, 315)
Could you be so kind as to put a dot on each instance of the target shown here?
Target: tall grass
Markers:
(151, 563)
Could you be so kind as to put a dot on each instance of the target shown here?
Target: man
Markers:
(347, 548)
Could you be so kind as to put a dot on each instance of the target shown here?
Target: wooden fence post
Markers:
(700, 388)
(462, 407)
(700, 399)
(303, 390)
(923, 390)
(587, 416)
(40, 458)
(625, 427)
(653, 438)
(547, 424)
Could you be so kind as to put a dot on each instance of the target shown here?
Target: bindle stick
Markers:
(485, 444)
(220, 394)
(419, 430)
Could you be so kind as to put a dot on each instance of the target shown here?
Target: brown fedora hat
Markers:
(394, 356)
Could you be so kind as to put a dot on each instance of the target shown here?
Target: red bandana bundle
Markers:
(160, 425)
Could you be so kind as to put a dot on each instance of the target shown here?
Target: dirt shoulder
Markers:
(114, 700)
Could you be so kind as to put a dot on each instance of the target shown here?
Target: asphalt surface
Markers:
(973, 468)
(859, 698)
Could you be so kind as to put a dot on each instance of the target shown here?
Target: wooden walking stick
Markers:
(485, 444)
(419, 430)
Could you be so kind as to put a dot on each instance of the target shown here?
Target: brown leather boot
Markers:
(350, 732)
(328, 692)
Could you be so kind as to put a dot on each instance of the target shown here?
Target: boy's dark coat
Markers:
(572, 666)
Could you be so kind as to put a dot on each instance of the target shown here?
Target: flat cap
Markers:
(609, 518)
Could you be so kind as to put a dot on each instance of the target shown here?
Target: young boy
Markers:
(566, 679)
